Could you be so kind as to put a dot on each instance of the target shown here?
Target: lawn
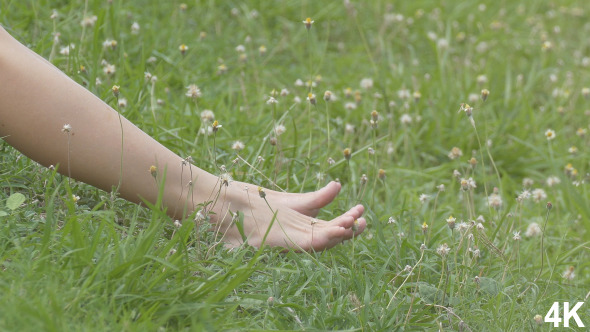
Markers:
(461, 126)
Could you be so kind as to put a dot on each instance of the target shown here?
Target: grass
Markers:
(104, 264)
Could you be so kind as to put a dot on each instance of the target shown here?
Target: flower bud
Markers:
(484, 94)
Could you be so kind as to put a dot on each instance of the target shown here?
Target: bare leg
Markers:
(37, 100)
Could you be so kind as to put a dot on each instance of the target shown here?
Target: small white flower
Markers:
(443, 249)
(516, 236)
(122, 102)
(455, 153)
(404, 94)
(109, 43)
(225, 179)
(350, 106)
(482, 79)
(135, 28)
(523, 196)
(65, 50)
(366, 83)
(423, 198)
(199, 216)
(533, 230)
(207, 116)
(550, 134)
(349, 128)
(109, 69)
(240, 49)
(471, 183)
(440, 187)
(405, 119)
(539, 195)
(569, 273)
(391, 221)
(193, 91)
(279, 129)
(553, 180)
(442, 43)
(208, 131)
(463, 227)
(495, 200)
(89, 21)
(238, 146)
(271, 101)
(66, 128)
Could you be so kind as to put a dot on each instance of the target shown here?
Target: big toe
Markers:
(310, 204)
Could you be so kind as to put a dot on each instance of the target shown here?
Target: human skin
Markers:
(37, 100)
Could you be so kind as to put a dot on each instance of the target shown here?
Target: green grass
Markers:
(99, 265)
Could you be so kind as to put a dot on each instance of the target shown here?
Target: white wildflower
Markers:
(207, 116)
(366, 83)
(193, 91)
(238, 146)
(539, 195)
(553, 180)
(533, 230)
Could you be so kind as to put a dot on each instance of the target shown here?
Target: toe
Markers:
(356, 212)
(319, 199)
(309, 204)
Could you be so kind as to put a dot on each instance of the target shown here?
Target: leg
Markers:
(38, 99)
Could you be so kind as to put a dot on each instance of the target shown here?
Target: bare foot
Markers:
(294, 227)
